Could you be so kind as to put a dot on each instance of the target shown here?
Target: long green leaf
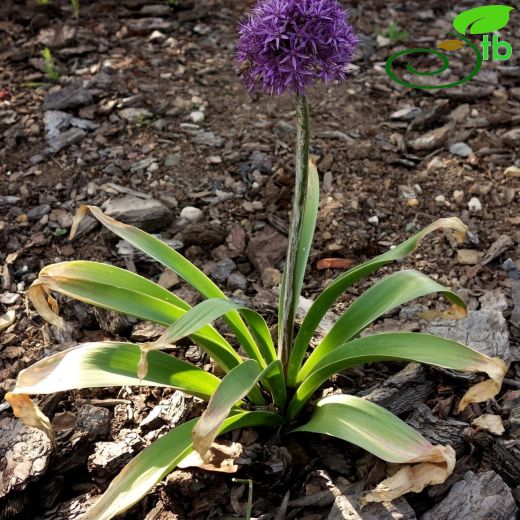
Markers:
(139, 476)
(367, 425)
(384, 296)
(170, 258)
(289, 295)
(107, 364)
(335, 289)
(400, 346)
(207, 312)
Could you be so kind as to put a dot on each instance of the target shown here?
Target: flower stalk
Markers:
(289, 293)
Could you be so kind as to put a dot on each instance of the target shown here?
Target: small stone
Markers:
(433, 139)
(512, 171)
(405, 114)
(440, 199)
(474, 205)
(135, 115)
(222, 270)
(197, 116)
(237, 280)
(149, 214)
(512, 137)
(468, 256)
(458, 196)
(266, 248)
(461, 149)
(204, 138)
(435, 164)
(71, 96)
(157, 36)
(271, 278)
(38, 212)
(374, 220)
(191, 214)
(172, 160)
(168, 279)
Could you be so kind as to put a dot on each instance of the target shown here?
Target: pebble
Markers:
(191, 214)
(374, 220)
(512, 171)
(135, 115)
(435, 164)
(474, 205)
(223, 269)
(440, 199)
(468, 256)
(271, 277)
(405, 114)
(458, 196)
(461, 149)
(172, 160)
(197, 116)
(237, 280)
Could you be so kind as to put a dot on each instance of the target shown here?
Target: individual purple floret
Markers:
(292, 44)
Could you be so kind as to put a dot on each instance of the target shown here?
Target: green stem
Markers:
(288, 294)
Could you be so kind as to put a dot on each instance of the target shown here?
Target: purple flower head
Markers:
(292, 44)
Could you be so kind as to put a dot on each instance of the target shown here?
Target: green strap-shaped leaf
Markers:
(329, 296)
(384, 296)
(107, 364)
(170, 258)
(140, 475)
(400, 346)
(484, 19)
(234, 386)
(367, 425)
(207, 312)
(289, 295)
(102, 285)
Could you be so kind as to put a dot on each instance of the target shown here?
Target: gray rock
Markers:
(38, 212)
(223, 269)
(191, 214)
(72, 136)
(237, 280)
(148, 214)
(8, 200)
(135, 115)
(461, 149)
(172, 160)
(156, 10)
(204, 138)
(348, 508)
(71, 96)
(266, 248)
(476, 497)
(406, 114)
(433, 139)
(484, 330)
(24, 455)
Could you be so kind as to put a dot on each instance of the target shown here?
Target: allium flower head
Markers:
(292, 44)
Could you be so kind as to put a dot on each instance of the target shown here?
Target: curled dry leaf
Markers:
(491, 423)
(44, 303)
(436, 465)
(29, 413)
(496, 369)
(455, 312)
(220, 458)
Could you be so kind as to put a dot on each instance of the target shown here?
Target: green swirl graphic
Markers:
(445, 64)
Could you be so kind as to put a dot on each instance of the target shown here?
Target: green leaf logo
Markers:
(483, 20)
